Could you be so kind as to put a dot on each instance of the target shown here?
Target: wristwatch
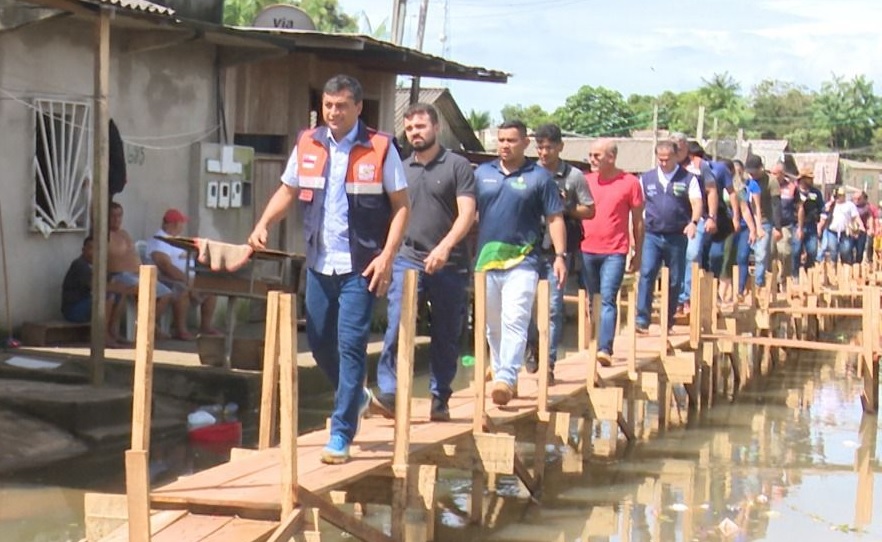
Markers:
(561, 255)
(695, 223)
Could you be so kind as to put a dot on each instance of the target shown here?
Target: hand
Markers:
(736, 225)
(689, 230)
(257, 239)
(759, 233)
(776, 234)
(380, 273)
(634, 264)
(751, 237)
(560, 271)
(437, 259)
(798, 234)
(710, 225)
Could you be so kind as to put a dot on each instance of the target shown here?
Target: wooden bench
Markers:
(53, 332)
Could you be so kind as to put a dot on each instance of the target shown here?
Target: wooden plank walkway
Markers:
(272, 488)
(251, 486)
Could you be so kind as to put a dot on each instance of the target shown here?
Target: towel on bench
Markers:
(221, 256)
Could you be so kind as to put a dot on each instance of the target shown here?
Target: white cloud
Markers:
(555, 46)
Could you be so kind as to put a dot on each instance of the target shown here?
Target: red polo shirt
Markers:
(608, 231)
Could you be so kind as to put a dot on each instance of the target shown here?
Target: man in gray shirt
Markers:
(441, 186)
(578, 206)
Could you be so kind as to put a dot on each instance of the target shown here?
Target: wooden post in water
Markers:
(695, 295)
(270, 379)
(542, 323)
(664, 309)
(632, 332)
(138, 456)
(403, 395)
(480, 389)
(287, 331)
(582, 344)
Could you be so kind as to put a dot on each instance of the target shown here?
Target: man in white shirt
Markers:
(171, 262)
(841, 222)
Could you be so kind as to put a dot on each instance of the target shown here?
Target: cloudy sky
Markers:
(552, 47)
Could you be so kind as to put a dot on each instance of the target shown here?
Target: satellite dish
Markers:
(283, 17)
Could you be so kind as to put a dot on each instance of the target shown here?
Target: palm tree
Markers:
(479, 120)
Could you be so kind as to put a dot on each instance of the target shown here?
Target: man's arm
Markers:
(637, 228)
(380, 268)
(167, 268)
(275, 209)
(584, 209)
(713, 197)
(557, 230)
(437, 258)
(697, 207)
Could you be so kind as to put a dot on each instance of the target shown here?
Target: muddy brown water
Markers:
(791, 458)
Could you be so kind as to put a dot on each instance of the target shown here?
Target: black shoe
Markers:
(440, 411)
(383, 404)
(531, 362)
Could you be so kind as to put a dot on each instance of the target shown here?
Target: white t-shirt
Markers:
(178, 256)
(843, 215)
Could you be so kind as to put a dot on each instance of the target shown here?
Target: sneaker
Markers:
(604, 358)
(501, 394)
(336, 451)
(383, 405)
(440, 412)
(531, 362)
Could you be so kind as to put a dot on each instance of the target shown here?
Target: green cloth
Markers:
(497, 255)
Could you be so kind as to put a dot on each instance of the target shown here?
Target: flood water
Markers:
(790, 458)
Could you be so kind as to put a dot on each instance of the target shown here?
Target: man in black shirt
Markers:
(76, 294)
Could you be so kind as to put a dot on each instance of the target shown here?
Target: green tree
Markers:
(642, 106)
(721, 98)
(326, 14)
(533, 116)
(478, 120)
(596, 111)
(849, 110)
(780, 109)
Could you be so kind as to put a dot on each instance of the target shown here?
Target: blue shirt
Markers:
(751, 187)
(333, 251)
(511, 206)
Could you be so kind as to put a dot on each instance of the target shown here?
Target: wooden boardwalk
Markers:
(274, 493)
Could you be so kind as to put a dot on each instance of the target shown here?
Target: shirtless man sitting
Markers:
(123, 265)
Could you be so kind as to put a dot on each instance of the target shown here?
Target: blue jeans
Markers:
(839, 246)
(510, 295)
(555, 309)
(742, 256)
(445, 290)
(694, 253)
(658, 248)
(603, 275)
(860, 247)
(80, 312)
(761, 252)
(715, 251)
(809, 243)
(338, 324)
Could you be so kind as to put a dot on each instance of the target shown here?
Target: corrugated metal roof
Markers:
(137, 5)
(447, 108)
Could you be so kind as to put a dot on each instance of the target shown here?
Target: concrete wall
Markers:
(159, 92)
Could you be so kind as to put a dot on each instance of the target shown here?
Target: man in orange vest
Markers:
(352, 191)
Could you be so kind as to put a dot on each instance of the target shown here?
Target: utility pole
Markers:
(654, 131)
(699, 130)
(421, 34)
(716, 136)
(399, 12)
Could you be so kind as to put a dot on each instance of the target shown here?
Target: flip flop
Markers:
(185, 336)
